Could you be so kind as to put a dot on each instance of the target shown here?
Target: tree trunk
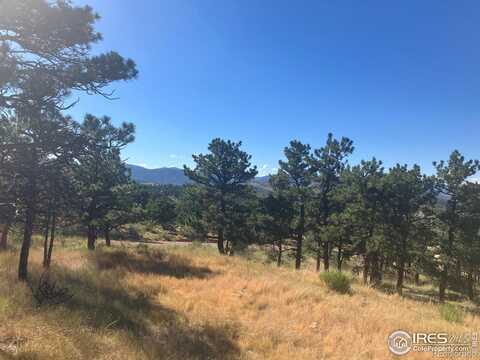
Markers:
(27, 240)
(340, 256)
(92, 237)
(228, 248)
(443, 284)
(298, 255)
(471, 285)
(301, 229)
(339, 261)
(4, 236)
(444, 275)
(381, 268)
(326, 256)
(400, 276)
(52, 239)
(319, 254)
(375, 272)
(220, 242)
(45, 241)
(279, 256)
(107, 237)
(366, 268)
(417, 278)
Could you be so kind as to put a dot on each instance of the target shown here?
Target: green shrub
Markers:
(451, 313)
(336, 281)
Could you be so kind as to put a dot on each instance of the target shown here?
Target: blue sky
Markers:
(402, 79)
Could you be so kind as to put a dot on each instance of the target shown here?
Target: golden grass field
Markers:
(190, 303)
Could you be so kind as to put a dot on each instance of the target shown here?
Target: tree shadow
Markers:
(420, 294)
(150, 262)
(4, 355)
(106, 303)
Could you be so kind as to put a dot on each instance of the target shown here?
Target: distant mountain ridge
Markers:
(176, 176)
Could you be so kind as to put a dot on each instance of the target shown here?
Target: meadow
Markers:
(187, 302)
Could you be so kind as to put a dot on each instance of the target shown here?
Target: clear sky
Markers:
(402, 79)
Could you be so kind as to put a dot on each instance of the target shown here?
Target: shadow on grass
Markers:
(420, 294)
(4, 355)
(106, 303)
(150, 262)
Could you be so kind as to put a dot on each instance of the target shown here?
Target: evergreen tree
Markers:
(295, 175)
(122, 209)
(45, 54)
(45, 51)
(327, 164)
(277, 222)
(366, 182)
(450, 179)
(223, 174)
(469, 236)
(100, 170)
(406, 194)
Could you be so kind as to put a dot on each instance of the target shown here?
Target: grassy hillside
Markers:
(186, 302)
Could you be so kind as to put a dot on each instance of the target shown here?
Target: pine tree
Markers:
(99, 170)
(450, 179)
(296, 176)
(223, 174)
(366, 180)
(327, 164)
(406, 193)
(45, 54)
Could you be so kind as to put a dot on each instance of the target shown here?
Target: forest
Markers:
(59, 174)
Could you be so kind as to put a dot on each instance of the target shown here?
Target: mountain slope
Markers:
(175, 176)
(161, 176)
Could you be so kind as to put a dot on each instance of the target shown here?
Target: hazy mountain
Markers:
(175, 176)
(161, 176)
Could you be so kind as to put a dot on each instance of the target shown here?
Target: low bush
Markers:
(337, 281)
(451, 313)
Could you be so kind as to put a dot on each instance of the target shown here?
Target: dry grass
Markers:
(189, 303)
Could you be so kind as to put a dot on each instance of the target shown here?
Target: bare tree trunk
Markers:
(279, 256)
(417, 278)
(443, 284)
(221, 227)
(381, 267)
(400, 276)
(366, 268)
(92, 237)
(319, 253)
(107, 237)
(230, 251)
(45, 241)
(52, 239)
(4, 236)
(375, 276)
(471, 285)
(326, 255)
(301, 229)
(27, 240)
(220, 241)
(340, 257)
